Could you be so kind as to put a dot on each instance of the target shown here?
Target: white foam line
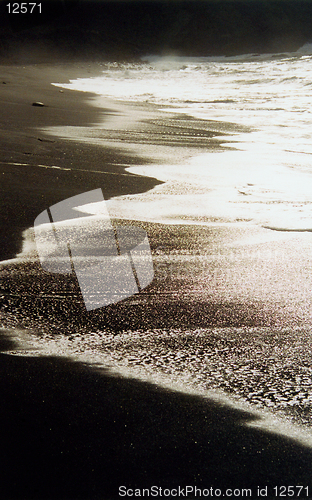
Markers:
(52, 166)
(298, 152)
(19, 260)
(289, 230)
(75, 170)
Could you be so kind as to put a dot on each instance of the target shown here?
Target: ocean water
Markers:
(264, 173)
(259, 176)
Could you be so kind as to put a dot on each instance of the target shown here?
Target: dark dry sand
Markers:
(69, 431)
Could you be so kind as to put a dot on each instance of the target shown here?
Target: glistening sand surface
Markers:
(216, 316)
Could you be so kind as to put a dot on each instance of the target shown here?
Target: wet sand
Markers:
(29, 184)
(71, 431)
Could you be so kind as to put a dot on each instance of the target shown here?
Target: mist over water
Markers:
(267, 179)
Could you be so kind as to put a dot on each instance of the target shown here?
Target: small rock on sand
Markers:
(39, 104)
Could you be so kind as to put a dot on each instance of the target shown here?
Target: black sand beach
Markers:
(29, 183)
(70, 432)
(73, 431)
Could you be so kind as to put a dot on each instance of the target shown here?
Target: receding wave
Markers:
(290, 229)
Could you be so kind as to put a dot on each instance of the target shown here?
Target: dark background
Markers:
(101, 30)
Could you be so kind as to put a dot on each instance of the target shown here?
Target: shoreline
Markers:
(213, 278)
(94, 430)
(25, 192)
(75, 143)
